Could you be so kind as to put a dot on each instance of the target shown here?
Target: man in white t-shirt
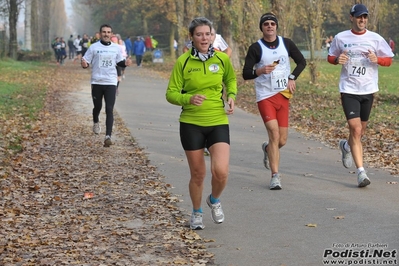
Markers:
(104, 56)
(219, 43)
(78, 48)
(359, 52)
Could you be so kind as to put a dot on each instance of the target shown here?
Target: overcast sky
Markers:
(68, 7)
(68, 10)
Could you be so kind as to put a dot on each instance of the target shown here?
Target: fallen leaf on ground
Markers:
(311, 225)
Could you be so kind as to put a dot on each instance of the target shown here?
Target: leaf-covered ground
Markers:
(380, 143)
(67, 200)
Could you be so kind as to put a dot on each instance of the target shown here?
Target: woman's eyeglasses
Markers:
(269, 23)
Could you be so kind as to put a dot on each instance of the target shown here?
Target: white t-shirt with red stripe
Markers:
(359, 75)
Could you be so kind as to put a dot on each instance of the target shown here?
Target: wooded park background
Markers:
(306, 22)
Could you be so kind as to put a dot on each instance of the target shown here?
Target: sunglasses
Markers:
(269, 23)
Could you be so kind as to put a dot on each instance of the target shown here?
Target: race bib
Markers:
(357, 67)
(279, 80)
(105, 61)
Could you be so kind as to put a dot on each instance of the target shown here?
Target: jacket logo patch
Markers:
(214, 68)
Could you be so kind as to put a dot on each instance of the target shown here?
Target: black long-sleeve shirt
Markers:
(254, 56)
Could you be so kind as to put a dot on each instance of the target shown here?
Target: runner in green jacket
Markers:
(196, 84)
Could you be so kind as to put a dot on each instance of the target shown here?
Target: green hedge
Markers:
(34, 56)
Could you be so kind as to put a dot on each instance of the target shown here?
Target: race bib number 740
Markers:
(357, 67)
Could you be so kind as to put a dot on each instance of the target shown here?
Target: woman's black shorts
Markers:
(195, 137)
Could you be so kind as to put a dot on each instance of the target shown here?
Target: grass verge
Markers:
(22, 92)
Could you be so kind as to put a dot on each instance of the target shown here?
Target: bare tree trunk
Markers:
(34, 26)
(225, 20)
(313, 10)
(285, 11)
(201, 9)
(12, 20)
(190, 11)
(190, 8)
(180, 27)
(39, 24)
(373, 7)
(172, 40)
(236, 44)
(44, 25)
(249, 31)
(28, 37)
(3, 44)
(58, 19)
(226, 29)
(145, 25)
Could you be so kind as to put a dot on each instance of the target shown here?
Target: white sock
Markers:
(347, 147)
(360, 169)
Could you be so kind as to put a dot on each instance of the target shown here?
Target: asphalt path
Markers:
(320, 210)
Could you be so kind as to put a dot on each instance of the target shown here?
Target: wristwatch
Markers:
(292, 77)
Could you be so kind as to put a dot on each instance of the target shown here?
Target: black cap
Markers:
(358, 10)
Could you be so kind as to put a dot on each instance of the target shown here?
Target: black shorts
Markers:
(357, 105)
(195, 137)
